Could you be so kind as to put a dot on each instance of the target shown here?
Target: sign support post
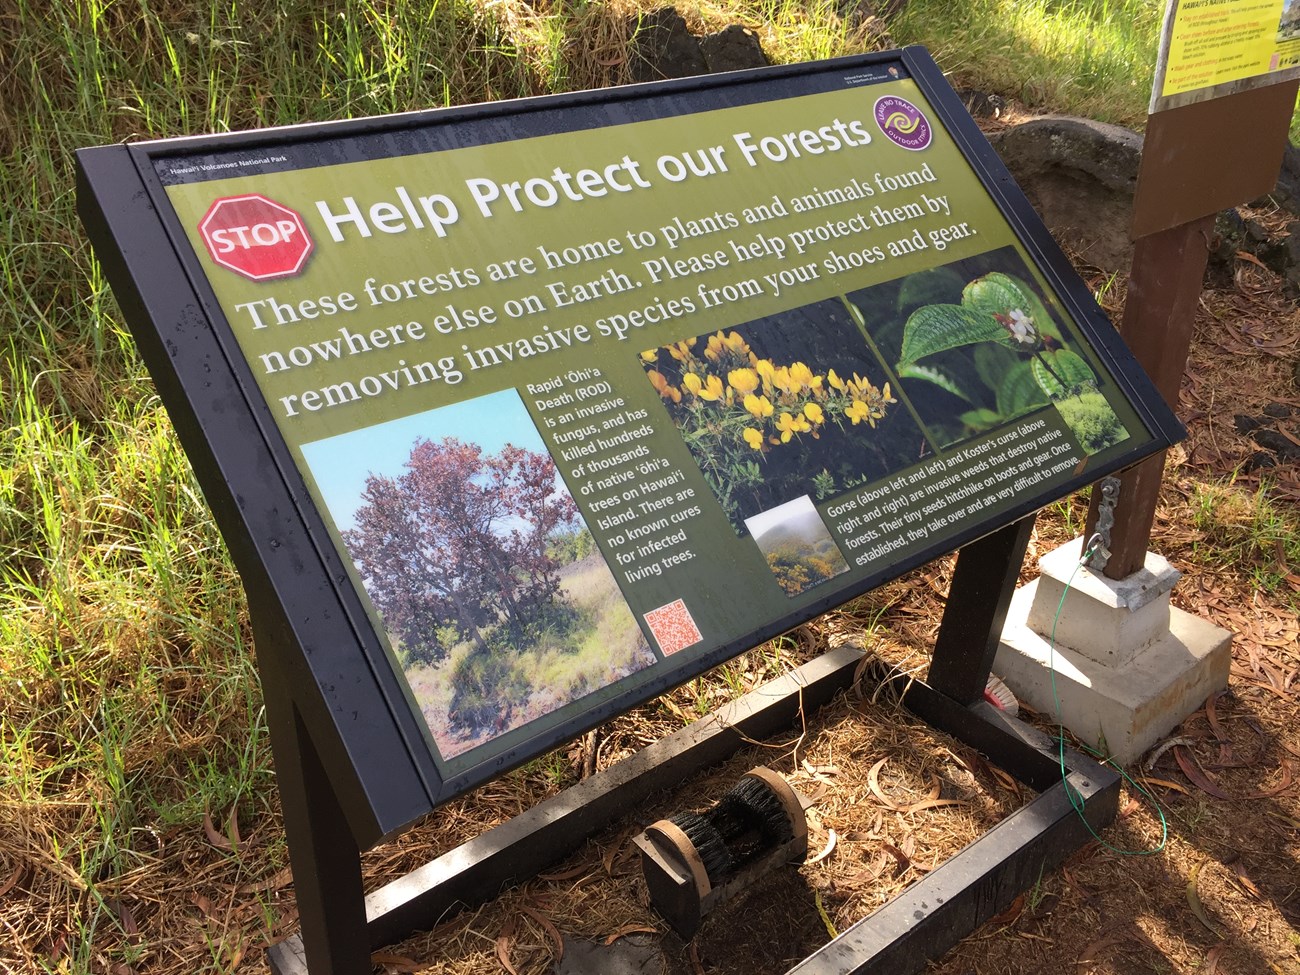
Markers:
(1214, 139)
(1224, 95)
(983, 582)
(322, 849)
(901, 937)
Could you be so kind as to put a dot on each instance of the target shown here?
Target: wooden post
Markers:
(1197, 159)
(1164, 286)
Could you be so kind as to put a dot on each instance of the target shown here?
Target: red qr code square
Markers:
(673, 627)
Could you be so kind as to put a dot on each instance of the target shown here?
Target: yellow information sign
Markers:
(1211, 48)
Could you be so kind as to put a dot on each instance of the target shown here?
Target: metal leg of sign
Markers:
(323, 852)
(1078, 797)
(982, 585)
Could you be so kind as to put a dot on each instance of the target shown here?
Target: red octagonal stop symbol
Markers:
(256, 237)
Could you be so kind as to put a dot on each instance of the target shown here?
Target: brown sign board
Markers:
(1201, 158)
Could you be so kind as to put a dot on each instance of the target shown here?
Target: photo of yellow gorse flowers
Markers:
(798, 547)
(768, 421)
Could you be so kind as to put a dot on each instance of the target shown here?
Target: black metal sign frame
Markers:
(351, 756)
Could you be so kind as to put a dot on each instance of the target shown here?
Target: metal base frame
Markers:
(898, 939)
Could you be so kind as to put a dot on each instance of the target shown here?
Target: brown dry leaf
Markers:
(818, 790)
(873, 783)
(551, 930)
(816, 770)
(618, 853)
(232, 829)
(901, 860)
(1194, 900)
(570, 874)
(1207, 784)
(12, 880)
(826, 851)
(203, 904)
(1211, 715)
(672, 706)
(694, 955)
(1276, 790)
(1289, 820)
(1012, 912)
(236, 956)
(214, 835)
(1004, 779)
(1193, 772)
(1166, 784)
(398, 963)
(933, 804)
(277, 881)
(506, 941)
(627, 929)
(1243, 879)
(1088, 957)
(968, 766)
(1212, 958)
(124, 915)
(56, 949)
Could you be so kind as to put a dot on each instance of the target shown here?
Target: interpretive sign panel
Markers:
(592, 393)
(1211, 48)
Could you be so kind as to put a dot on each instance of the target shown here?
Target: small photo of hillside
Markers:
(797, 545)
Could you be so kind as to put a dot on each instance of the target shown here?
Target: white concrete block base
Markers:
(1128, 666)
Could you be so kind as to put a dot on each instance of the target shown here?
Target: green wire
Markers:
(1076, 800)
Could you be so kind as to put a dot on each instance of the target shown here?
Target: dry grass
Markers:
(873, 773)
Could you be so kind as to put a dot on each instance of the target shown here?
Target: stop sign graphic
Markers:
(256, 237)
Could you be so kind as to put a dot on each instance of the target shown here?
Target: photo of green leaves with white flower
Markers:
(974, 346)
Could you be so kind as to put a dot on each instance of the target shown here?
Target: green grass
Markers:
(1249, 532)
(129, 705)
(1094, 58)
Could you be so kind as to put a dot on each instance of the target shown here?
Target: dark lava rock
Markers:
(1286, 192)
(1245, 424)
(733, 49)
(982, 104)
(1283, 446)
(1259, 460)
(1080, 176)
(664, 47)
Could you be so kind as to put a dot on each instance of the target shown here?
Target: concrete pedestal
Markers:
(1128, 666)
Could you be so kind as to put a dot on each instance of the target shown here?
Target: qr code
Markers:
(673, 627)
